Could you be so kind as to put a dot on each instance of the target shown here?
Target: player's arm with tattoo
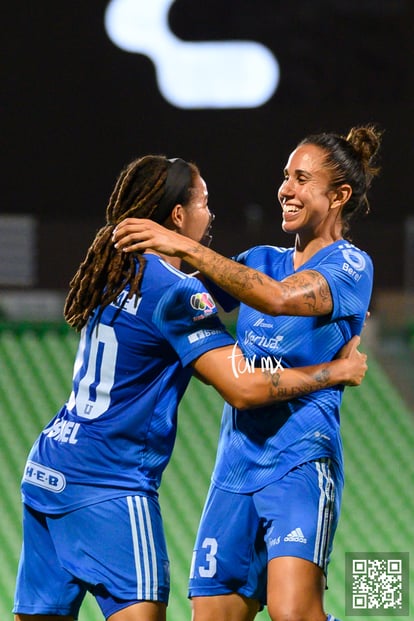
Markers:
(305, 293)
(250, 389)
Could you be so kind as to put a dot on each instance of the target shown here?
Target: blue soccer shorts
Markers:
(239, 533)
(115, 549)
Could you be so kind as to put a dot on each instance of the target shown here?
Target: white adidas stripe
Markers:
(143, 544)
(325, 513)
(136, 546)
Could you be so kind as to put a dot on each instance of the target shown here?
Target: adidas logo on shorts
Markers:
(296, 536)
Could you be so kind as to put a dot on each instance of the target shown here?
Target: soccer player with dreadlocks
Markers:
(91, 517)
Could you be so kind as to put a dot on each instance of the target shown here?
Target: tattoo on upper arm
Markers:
(309, 289)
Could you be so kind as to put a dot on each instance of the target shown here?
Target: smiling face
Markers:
(307, 201)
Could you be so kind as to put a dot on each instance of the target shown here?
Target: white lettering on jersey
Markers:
(262, 341)
(63, 431)
(202, 334)
(354, 262)
(39, 475)
(129, 306)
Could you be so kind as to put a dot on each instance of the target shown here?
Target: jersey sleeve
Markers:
(349, 273)
(187, 317)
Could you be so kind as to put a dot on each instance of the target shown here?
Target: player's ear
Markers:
(341, 196)
(177, 217)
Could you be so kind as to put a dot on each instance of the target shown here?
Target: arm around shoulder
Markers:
(247, 387)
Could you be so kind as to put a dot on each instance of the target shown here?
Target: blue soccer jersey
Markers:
(115, 434)
(259, 446)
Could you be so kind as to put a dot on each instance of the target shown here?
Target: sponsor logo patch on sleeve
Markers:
(203, 303)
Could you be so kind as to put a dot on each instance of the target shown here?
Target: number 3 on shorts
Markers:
(208, 570)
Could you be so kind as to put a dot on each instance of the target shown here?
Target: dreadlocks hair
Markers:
(351, 160)
(106, 271)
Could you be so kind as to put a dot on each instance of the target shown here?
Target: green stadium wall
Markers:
(378, 435)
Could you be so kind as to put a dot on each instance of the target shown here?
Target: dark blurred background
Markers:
(76, 108)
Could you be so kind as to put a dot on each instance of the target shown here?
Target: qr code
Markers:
(377, 584)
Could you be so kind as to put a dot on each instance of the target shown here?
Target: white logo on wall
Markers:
(207, 74)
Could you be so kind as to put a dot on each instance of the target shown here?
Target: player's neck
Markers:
(305, 249)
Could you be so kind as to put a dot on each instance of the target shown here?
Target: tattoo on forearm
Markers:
(305, 386)
(229, 274)
(303, 293)
(323, 376)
